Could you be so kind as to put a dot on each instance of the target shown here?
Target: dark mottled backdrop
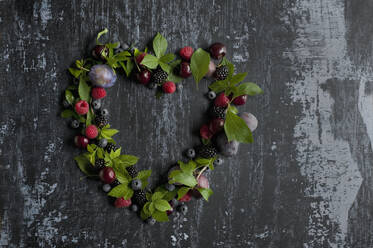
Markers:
(305, 182)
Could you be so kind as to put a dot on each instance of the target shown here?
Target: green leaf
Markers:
(239, 77)
(108, 133)
(233, 109)
(128, 67)
(144, 174)
(182, 191)
(128, 160)
(199, 64)
(160, 216)
(165, 67)
(157, 196)
(167, 58)
(187, 168)
(150, 61)
(122, 190)
(219, 86)
(162, 205)
(84, 165)
(159, 45)
(88, 120)
(151, 207)
(171, 75)
(144, 215)
(236, 128)
(75, 72)
(67, 113)
(250, 89)
(115, 154)
(84, 90)
(99, 36)
(183, 178)
(205, 192)
(69, 96)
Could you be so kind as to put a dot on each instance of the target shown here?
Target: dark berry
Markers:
(107, 175)
(191, 153)
(100, 164)
(159, 76)
(96, 104)
(102, 143)
(183, 209)
(104, 112)
(211, 95)
(132, 171)
(218, 161)
(170, 187)
(74, 123)
(115, 183)
(218, 112)
(151, 221)
(218, 50)
(136, 184)
(140, 57)
(139, 198)
(221, 72)
(100, 52)
(143, 77)
(216, 125)
(81, 141)
(185, 70)
(240, 100)
(207, 151)
(106, 187)
(110, 147)
(101, 121)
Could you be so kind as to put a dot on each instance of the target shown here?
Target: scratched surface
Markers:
(305, 182)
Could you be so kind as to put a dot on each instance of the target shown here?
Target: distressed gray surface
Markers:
(305, 182)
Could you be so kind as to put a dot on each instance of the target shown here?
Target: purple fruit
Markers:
(102, 76)
(218, 50)
(250, 119)
(226, 148)
(212, 69)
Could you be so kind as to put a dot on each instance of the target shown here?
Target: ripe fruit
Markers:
(191, 153)
(218, 50)
(98, 93)
(212, 69)
(250, 120)
(121, 202)
(136, 184)
(207, 151)
(216, 125)
(104, 112)
(132, 171)
(107, 175)
(96, 104)
(211, 95)
(81, 141)
(91, 131)
(221, 100)
(102, 143)
(187, 197)
(218, 161)
(102, 76)
(221, 72)
(100, 164)
(74, 123)
(101, 120)
(139, 197)
(81, 107)
(226, 148)
(159, 76)
(140, 57)
(185, 70)
(203, 182)
(100, 52)
(186, 53)
(143, 77)
(106, 188)
(169, 87)
(240, 100)
(205, 132)
(218, 112)
(110, 147)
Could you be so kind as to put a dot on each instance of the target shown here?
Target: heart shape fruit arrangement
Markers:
(158, 70)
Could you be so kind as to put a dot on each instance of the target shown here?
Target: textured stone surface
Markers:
(305, 182)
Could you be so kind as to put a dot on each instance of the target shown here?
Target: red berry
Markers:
(221, 100)
(169, 87)
(107, 175)
(81, 107)
(240, 100)
(216, 125)
(143, 77)
(185, 70)
(81, 141)
(98, 93)
(205, 132)
(218, 50)
(186, 53)
(100, 52)
(121, 202)
(187, 197)
(91, 132)
(140, 57)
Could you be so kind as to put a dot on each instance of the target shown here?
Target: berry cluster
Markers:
(103, 158)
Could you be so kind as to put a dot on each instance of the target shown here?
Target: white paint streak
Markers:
(325, 160)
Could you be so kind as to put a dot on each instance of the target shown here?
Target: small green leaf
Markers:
(238, 78)
(182, 191)
(122, 190)
(67, 113)
(84, 90)
(199, 64)
(151, 207)
(167, 58)
(144, 174)
(128, 160)
(144, 215)
(205, 192)
(250, 89)
(236, 128)
(69, 96)
(219, 86)
(99, 36)
(160, 216)
(108, 133)
(150, 61)
(84, 165)
(165, 67)
(157, 196)
(162, 205)
(159, 45)
(75, 72)
(184, 178)
(88, 120)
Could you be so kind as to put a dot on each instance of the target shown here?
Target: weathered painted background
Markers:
(305, 182)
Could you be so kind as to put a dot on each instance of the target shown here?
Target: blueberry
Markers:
(174, 202)
(104, 112)
(102, 143)
(106, 187)
(96, 104)
(136, 184)
(180, 86)
(151, 221)
(183, 209)
(74, 123)
(134, 208)
(65, 104)
(170, 187)
(152, 85)
(191, 153)
(218, 161)
(211, 95)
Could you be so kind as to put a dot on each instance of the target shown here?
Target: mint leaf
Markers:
(84, 165)
(162, 205)
(75, 72)
(236, 128)
(160, 216)
(187, 168)
(108, 133)
(219, 86)
(183, 178)
(67, 113)
(128, 160)
(69, 96)
(205, 192)
(238, 78)
(159, 45)
(88, 120)
(84, 90)
(181, 192)
(165, 67)
(171, 75)
(150, 61)
(144, 174)
(122, 190)
(199, 64)
(250, 89)
(99, 36)
(144, 214)
(158, 195)
(167, 58)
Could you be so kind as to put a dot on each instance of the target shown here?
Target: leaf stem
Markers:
(200, 173)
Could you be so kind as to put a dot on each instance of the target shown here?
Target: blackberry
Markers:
(110, 147)
(139, 198)
(132, 171)
(221, 72)
(207, 151)
(101, 121)
(100, 164)
(218, 112)
(159, 76)
(115, 183)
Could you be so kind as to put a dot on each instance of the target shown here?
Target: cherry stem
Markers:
(200, 173)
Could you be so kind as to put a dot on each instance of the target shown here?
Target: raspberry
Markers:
(121, 202)
(186, 53)
(187, 197)
(221, 100)
(81, 107)
(205, 132)
(91, 132)
(98, 93)
(169, 87)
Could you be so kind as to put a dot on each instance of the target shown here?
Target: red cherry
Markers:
(140, 57)
(185, 70)
(107, 175)
(121, 202)
(81, 141)
(187, 197)
(221, 100)
(240, 100)
(216, 125)
(143, 77)
(205, 132)
(218, 50)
